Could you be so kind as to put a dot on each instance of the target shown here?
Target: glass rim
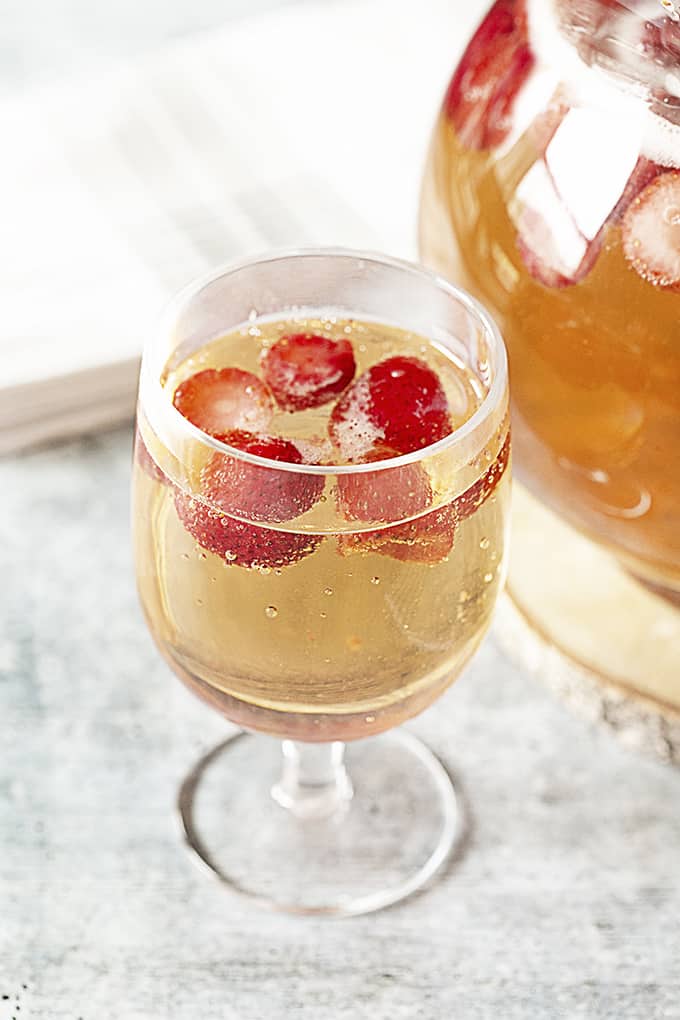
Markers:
(151, 391)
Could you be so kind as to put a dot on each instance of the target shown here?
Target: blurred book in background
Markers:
(305, 126)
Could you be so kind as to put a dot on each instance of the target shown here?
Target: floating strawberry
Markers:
(651, 232)
(305, 370)
(391, 494)
(254, 491)
(493, 69)
(244, 545)
(146, 461)
(219, 399)
(399, 402)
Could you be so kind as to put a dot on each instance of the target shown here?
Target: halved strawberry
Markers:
(305, 370)
(471, 500)
(146, 461)
(256, 492)
(399, 402)
(218, 399)
(392, 494)
(244, 545)
(428, 539)
(489, 76)
(651, 232)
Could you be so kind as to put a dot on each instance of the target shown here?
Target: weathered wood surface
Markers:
(566, 903)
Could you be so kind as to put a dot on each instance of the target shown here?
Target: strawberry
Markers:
(219, 399)
(383, 496)
(399, 402)
(428, 539)
(146, 461)
(305, 370)
(478, 493)
(493, 69)
(651, 232)
(257, 492)
(245, 545)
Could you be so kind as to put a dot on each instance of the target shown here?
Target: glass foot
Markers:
(371, 835)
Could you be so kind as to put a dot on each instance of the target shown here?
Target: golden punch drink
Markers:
(326, 605)
(320, 505)
(553, 193)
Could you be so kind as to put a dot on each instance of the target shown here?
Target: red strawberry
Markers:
(428, 539)
(651, 232)
(304, 370)
(146, 461)
(256, 492)
(245, 545)
(499, 111)
(471, 500)
(492, 71)
(392, 494)
(399, 403)
(218, 399)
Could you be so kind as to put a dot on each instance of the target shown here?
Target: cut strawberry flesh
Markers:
(258, 492)
(493, 69)
(392, 494)
(651, 232)
(219, 399)
(399, 403)
(305, 370)
(244, 545)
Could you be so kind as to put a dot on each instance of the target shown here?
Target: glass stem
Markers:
(314, 781)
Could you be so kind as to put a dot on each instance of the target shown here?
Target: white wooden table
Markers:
(565, 904)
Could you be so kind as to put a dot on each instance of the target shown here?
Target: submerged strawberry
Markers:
(471, 500)
(254, 491)
(493, 69)
(305, 370)
(244, 545)
(651, 232)
(399, 402)
(391, 494)
(428, 539)
(146, 461)
(219, 399)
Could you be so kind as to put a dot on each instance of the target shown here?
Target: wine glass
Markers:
(325, 595)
